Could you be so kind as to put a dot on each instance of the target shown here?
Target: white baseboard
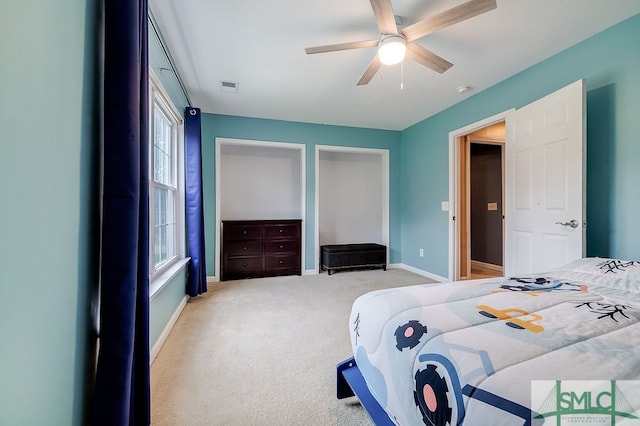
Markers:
(398, 266)
(212, 279)
(420, 272)
(167, 329)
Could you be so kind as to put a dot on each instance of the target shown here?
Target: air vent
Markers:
(229, 86)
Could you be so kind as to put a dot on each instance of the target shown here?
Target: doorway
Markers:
(477, 214)
(481, 200)
(544, 174)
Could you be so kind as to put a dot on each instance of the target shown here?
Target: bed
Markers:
(469, 351)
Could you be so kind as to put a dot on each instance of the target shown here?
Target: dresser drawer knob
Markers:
(281, 230)
(281, 262)
(281, 246)
(244, 248)
(244, 263)
(244, 232)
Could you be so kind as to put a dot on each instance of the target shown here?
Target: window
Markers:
(165, 182)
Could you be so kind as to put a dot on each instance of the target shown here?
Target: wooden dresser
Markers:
(260, 248)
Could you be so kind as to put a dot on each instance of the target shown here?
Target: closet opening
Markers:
(352, 196)
(480, 200)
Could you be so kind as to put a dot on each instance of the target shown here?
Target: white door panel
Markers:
(555, 173)
(544, 182)
(523, 175)
(555, 247)
(522, 244)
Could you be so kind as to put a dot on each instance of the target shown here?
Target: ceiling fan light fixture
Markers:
(391, 49)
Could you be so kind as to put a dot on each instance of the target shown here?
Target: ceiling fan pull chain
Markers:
(402, 75)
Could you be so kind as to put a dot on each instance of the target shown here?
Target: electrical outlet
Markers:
(421, 252)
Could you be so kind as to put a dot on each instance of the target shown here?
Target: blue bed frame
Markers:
(351, 383)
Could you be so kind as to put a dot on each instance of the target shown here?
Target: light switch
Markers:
(492, 206)
(445, 206)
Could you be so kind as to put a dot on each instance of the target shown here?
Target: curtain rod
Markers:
(175, 72)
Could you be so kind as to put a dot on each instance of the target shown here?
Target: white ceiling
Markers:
(260, 45)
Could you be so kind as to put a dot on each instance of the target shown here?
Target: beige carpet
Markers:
(264, 351)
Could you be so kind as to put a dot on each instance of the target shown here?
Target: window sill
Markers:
(161, 280)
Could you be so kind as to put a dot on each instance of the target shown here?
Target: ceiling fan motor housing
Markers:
(391, 49)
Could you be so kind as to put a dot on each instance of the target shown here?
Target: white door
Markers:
(545, 203)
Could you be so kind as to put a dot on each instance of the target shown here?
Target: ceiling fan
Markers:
(393, 45)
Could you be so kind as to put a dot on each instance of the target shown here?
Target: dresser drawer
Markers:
(282, 262)
(243, 232)
(284, 246)
(243, 267)
(272, 232)
(243, 248)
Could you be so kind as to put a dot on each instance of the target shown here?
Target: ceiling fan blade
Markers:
(427, 58)
(371, 70)
(448, 17)
(341, 46)
(385, 19)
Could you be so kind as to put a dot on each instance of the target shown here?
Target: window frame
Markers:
(158, 99)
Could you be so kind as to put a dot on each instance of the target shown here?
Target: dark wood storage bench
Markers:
(352, 256)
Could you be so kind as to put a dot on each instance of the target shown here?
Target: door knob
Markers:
(572, 223)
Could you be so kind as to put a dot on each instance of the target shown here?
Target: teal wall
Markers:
(311, 135)
(610, 63)
(48, 157)
(163, 304)
(161, 66)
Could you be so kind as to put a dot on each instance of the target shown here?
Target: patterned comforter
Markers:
(469, 351)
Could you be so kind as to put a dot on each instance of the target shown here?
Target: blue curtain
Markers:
(197, 278)
(121, 391)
